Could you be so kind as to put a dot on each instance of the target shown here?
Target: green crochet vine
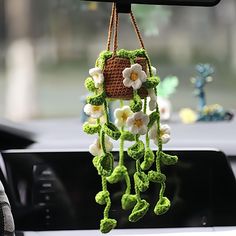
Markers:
(132, 122)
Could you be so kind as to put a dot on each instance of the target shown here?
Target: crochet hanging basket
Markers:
(114, 86)
(115, 65)
(126, 75)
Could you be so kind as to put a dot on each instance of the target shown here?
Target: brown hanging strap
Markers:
(110, 30)
(114, 22)
(134, 23)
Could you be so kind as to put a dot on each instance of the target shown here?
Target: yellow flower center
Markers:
(96, 108)
(138, 123)
(134, 76)
(124, 116)
(162, 132)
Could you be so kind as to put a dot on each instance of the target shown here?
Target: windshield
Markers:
(47, 48)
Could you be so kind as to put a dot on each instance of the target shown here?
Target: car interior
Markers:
(48, 181)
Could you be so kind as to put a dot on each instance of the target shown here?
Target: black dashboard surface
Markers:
(51, 190)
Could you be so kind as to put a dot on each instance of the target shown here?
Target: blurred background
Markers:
(48, 46)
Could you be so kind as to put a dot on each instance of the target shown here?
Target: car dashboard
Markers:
(51, 184)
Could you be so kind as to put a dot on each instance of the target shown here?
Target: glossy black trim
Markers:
(206, 3)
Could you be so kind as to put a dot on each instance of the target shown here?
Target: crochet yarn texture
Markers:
(128, 77)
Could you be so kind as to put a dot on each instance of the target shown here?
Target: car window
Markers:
(45, 55)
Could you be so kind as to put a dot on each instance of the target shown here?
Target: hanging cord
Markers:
(115, 41)
(134, 23)
(110, 30)
(114, 23)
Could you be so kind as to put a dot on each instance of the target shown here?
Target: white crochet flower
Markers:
(93, 111)
(164, 133)
(164, 108)
(138, 123)
(95, 148)
(153, 99)
(154, 70)
(134, 76)
(97, 76)
(121, 115)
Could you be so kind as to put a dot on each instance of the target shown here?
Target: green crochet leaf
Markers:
(152, 119)
(151, 82)
(104, 164)
(141, 181)
(167, 159)
(102, 197)
(91, 128)
(106, 225)
(137, 150)
(117, 175)
(112, 131)
(139, 211)
(90, 85)
(128, 201)
(96, 100)
(95, 161)
(149, 158)
(127, 136)
(156, 177)
(136, 103)
(162, 206)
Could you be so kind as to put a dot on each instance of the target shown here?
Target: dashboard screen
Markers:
(56, 190)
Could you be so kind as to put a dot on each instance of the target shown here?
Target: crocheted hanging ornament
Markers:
(126, 75)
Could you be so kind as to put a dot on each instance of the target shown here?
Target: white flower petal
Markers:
(93, 149)
(126, 73)
(128, 82)
(136, 67)
(97, 142)
(119, 122)
(165, 108)
(96, 115)
(143, 76)
(134, 130)
(153, 132)
(121, 115)
(130, 121)
(165, 128)
(154, 71)
(127, 110)
(108, 144)
(145, 119)
(118, 113)
(151, 93)
(136, 84)
(165, 138)
(87, 109)
(97, 84)
(94, 71)
(142, 130)
(152, 105)
(100, 78)
(138, 115)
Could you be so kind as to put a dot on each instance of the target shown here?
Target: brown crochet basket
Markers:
(114, 86)
(115, 65)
